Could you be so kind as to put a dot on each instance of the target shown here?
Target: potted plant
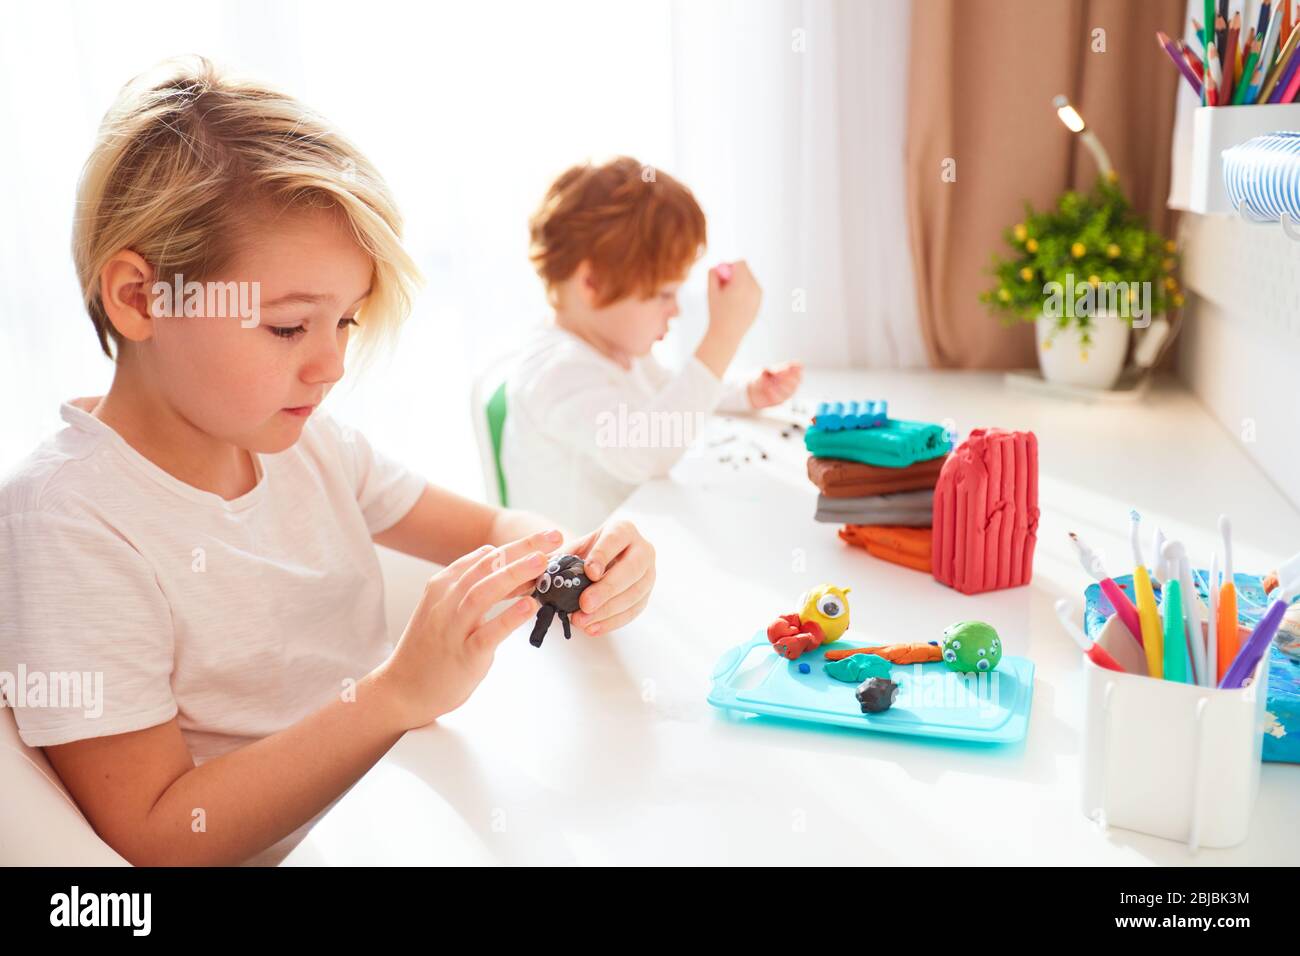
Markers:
(1085, 272)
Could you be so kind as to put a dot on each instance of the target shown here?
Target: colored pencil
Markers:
(1243, 86)
(1283, 58)
(1272, 37)
(1229, 64)
(1262, 24)
(1168, 46)
(1221, 29)
(1221, 46)
(1266, 53)
(1286, 66)
(1207, 41)
(1192, 59)
(1289, 94)
(1212, 75)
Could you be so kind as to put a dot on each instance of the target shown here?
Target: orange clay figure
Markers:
(894, 653)
(823, 617)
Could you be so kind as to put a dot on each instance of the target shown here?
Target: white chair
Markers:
(487, 402)
(40, 825)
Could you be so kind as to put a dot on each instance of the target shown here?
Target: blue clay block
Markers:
(836, 416)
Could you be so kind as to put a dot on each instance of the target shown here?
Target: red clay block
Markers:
(986, 512)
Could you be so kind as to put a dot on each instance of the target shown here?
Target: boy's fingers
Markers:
(611, 541)
(498, 558)
(635, 561)
(492, 633)
(528, 587)
(618, 620)
(466, 561)
(497, 586)
(439, 583)
(618, 602)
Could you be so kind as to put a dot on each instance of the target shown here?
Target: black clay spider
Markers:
(558, 590)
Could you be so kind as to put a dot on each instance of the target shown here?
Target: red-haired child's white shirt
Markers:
(582, 432)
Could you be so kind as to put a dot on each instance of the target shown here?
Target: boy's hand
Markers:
(447, 647)
(775, 385)
(734, 297)
(621, 564)
(733, 305)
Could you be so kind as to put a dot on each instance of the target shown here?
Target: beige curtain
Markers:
(982, 74)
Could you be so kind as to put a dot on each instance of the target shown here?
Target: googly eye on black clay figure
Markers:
(558, 590)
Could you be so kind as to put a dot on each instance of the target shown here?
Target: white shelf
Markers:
(1249, 269)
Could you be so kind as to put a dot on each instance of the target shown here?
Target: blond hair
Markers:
(183, 159)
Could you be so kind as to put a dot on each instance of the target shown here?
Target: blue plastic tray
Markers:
(753, 679)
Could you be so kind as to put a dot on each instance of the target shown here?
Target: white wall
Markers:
(1240, 343)
(1239, 346)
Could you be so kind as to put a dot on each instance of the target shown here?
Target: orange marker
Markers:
(1226, 630)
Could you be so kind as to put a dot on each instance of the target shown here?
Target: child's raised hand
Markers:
(734, 297)
(775, 385)
(447, 647)
(621, 564)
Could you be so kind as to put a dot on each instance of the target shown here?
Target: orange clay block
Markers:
(909, 547)
(894, 653)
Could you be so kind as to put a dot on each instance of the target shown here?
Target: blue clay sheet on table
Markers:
(1282, 735)
(938, 703)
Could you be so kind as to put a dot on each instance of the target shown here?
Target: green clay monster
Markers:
(858, 667)
(971, 646)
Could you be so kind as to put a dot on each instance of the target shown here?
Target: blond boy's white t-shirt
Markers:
(239, 618)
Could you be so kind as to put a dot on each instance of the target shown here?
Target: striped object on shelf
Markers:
(1262, 176)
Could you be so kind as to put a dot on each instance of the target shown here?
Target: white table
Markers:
(605, 750)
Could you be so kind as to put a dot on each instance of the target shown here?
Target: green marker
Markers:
(1175, 633)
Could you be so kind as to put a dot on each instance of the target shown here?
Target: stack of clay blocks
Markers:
(837, 416)
(986, 512)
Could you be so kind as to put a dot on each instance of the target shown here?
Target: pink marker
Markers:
(723, 270)
(1118, 599)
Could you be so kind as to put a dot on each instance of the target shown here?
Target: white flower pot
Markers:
(1066, 360)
